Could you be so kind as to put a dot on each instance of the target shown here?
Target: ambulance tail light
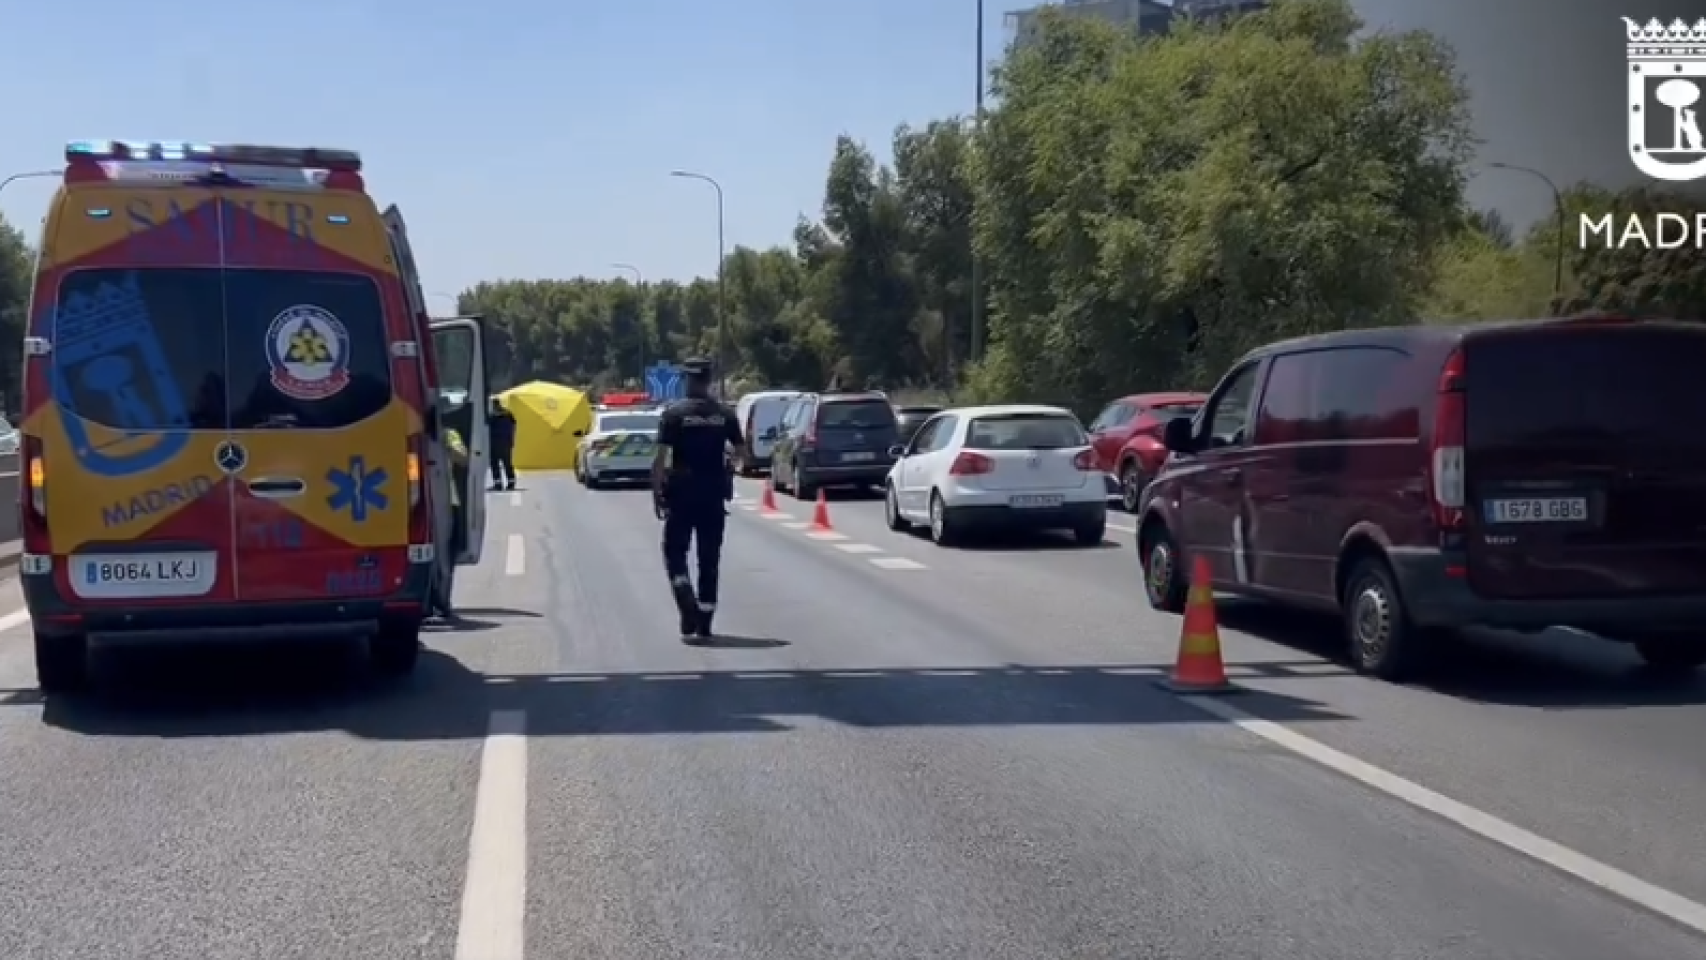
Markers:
(413, 471)
(420, 513)
(32, 505)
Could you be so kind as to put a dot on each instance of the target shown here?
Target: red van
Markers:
(1420, 479)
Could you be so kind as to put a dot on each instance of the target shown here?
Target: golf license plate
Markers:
(1034, 500)
(1537, 510)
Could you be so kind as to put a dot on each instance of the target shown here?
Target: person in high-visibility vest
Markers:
(458, 476)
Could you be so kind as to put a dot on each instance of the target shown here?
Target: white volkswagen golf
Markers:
(1010, 466)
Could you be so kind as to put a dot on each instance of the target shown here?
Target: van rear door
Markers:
(1586, 460)
(137, 504)
(311, 306)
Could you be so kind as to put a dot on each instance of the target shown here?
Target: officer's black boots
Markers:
(688, 606)
(703, 625)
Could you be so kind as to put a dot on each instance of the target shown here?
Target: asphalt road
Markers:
(898, 752)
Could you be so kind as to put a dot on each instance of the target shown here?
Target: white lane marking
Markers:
(494, 893)
(797, 525)
(858, 548)
(825, 535)
(1608, 878)
(1122, 528)
(897, 563)
(776, 515)
(749, 508)
(16, 618)
(515, 498)
(515, 562)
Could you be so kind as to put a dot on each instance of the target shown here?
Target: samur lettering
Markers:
(168, 222)
(151, 502)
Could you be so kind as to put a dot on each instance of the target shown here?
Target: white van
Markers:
(760, 416)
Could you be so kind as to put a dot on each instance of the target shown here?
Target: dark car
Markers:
(909, 419)
(1416, 480)
(1127, 438)
(834, 440)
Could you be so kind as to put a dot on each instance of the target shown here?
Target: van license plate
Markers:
(120, 576)
(858, 457)
(1537, 510)
(1034, 500)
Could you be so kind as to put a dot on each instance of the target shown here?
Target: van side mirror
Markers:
(1177, 436)
(898, 451)
(580, 433)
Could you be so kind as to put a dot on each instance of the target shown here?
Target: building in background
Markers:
(1145, 16)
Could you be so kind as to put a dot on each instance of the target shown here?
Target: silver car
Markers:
(619, 448)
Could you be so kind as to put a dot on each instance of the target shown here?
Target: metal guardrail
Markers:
(9, 498)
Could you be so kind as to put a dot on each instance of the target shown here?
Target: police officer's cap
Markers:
(696, 367)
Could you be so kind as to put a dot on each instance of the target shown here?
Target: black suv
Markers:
(834, 440)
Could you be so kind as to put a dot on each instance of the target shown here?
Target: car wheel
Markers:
(1671, 654)
(592, 482)
(396, 648)
(1131, 486)
(943, 531)
(1090, 534)
(1382, 640)
(1165, 581)
(891, 510)
(62, 663)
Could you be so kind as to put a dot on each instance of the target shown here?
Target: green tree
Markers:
(1152, 207)
(16, 266)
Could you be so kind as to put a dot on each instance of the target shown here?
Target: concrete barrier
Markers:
(9, 498)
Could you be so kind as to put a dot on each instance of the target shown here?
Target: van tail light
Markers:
(32, 505)
(1087, 461)
(1446, 462)
(971, 465)
(811, 433)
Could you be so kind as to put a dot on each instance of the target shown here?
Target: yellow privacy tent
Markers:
(547, 417)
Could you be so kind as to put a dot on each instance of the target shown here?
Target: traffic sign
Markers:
(663, 382)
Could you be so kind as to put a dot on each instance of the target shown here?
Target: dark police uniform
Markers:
(695, 431)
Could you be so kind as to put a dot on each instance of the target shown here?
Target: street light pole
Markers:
(1558, 205)
(977, 304)
(722, 295)
(29, 175)
(639, 321)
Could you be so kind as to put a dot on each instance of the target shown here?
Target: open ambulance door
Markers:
(460, 349)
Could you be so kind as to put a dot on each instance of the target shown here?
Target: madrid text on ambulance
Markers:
(1657, 231)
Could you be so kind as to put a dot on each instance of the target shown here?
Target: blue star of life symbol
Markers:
(357, 489)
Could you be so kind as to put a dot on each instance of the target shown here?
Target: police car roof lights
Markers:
(297, 158)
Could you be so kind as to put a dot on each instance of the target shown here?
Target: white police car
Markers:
(620, 446)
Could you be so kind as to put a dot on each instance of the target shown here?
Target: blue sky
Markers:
(525, 138)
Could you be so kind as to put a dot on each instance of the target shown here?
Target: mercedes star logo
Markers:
(231, 457)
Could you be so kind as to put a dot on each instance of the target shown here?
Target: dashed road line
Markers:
(515, 562)
(859, 548)
(494, 893)
(896, 563)
(826, 535)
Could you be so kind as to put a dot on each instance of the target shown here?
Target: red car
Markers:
(1127, 438)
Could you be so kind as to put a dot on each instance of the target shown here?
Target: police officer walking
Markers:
(690, 484)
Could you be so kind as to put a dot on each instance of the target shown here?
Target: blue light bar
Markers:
(299, 158)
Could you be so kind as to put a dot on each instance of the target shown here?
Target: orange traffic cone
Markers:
(767, 503)
(820, 516)
(1200, 668)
